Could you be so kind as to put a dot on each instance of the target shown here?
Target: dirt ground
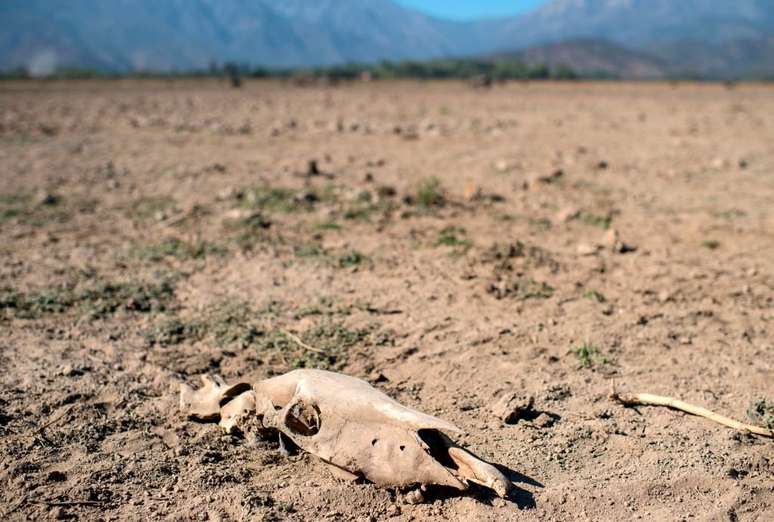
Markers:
(447, 244)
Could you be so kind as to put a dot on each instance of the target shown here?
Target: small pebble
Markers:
(544, 421)
(586, 249)
(502, 166)
(511, 407)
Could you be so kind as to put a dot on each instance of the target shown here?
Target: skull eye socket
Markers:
(303, 419)
(233, 392)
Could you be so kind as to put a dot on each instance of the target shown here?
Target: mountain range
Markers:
(630, 38)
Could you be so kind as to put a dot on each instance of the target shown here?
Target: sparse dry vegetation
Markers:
(153, 232)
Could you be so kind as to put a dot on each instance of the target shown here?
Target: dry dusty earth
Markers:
(451, 245)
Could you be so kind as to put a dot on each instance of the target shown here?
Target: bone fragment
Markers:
(647, 399)
(204, 404)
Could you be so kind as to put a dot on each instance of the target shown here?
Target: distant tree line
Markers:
(492, 70)
(501, 69)
(429, 70)
(448, 69)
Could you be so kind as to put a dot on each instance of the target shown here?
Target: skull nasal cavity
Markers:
(303, 419)
(438, 446)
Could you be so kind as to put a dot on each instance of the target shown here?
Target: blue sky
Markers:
(472, 9)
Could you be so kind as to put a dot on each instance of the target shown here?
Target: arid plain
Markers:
(447, 244)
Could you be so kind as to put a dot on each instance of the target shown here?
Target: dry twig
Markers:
(300, 343)
(647, 399)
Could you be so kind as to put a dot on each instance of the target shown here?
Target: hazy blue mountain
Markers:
(593, 58)
(639, 22)
(182, 34)
(716, 37)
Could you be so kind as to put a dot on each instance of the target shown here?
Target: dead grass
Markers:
(93, 298)
(178, 249)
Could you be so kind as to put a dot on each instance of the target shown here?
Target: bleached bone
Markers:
(204, 404)
(237, 411)
(354, 427)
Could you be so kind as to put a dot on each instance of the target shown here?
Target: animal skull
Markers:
(352, 426)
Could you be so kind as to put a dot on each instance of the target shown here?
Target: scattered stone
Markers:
(613, 241)
(58, 513)
(248, 217)
(720, 163)
(467, 405)
(603, 413)
(68, 370)
(377, 377)
(472, 191)
(587, 249)
(557, 392)
(238, 213)
(543, 421)
(567, 214)
(414, 497)
(511, 407)
(602, 165)
(743, 164)
(211, 456)
(393, 510)
(502, 166)
(46, 199)
(547, 179)
(229, 193)
(612, 238)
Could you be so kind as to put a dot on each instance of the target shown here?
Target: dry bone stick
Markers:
(647, 399)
